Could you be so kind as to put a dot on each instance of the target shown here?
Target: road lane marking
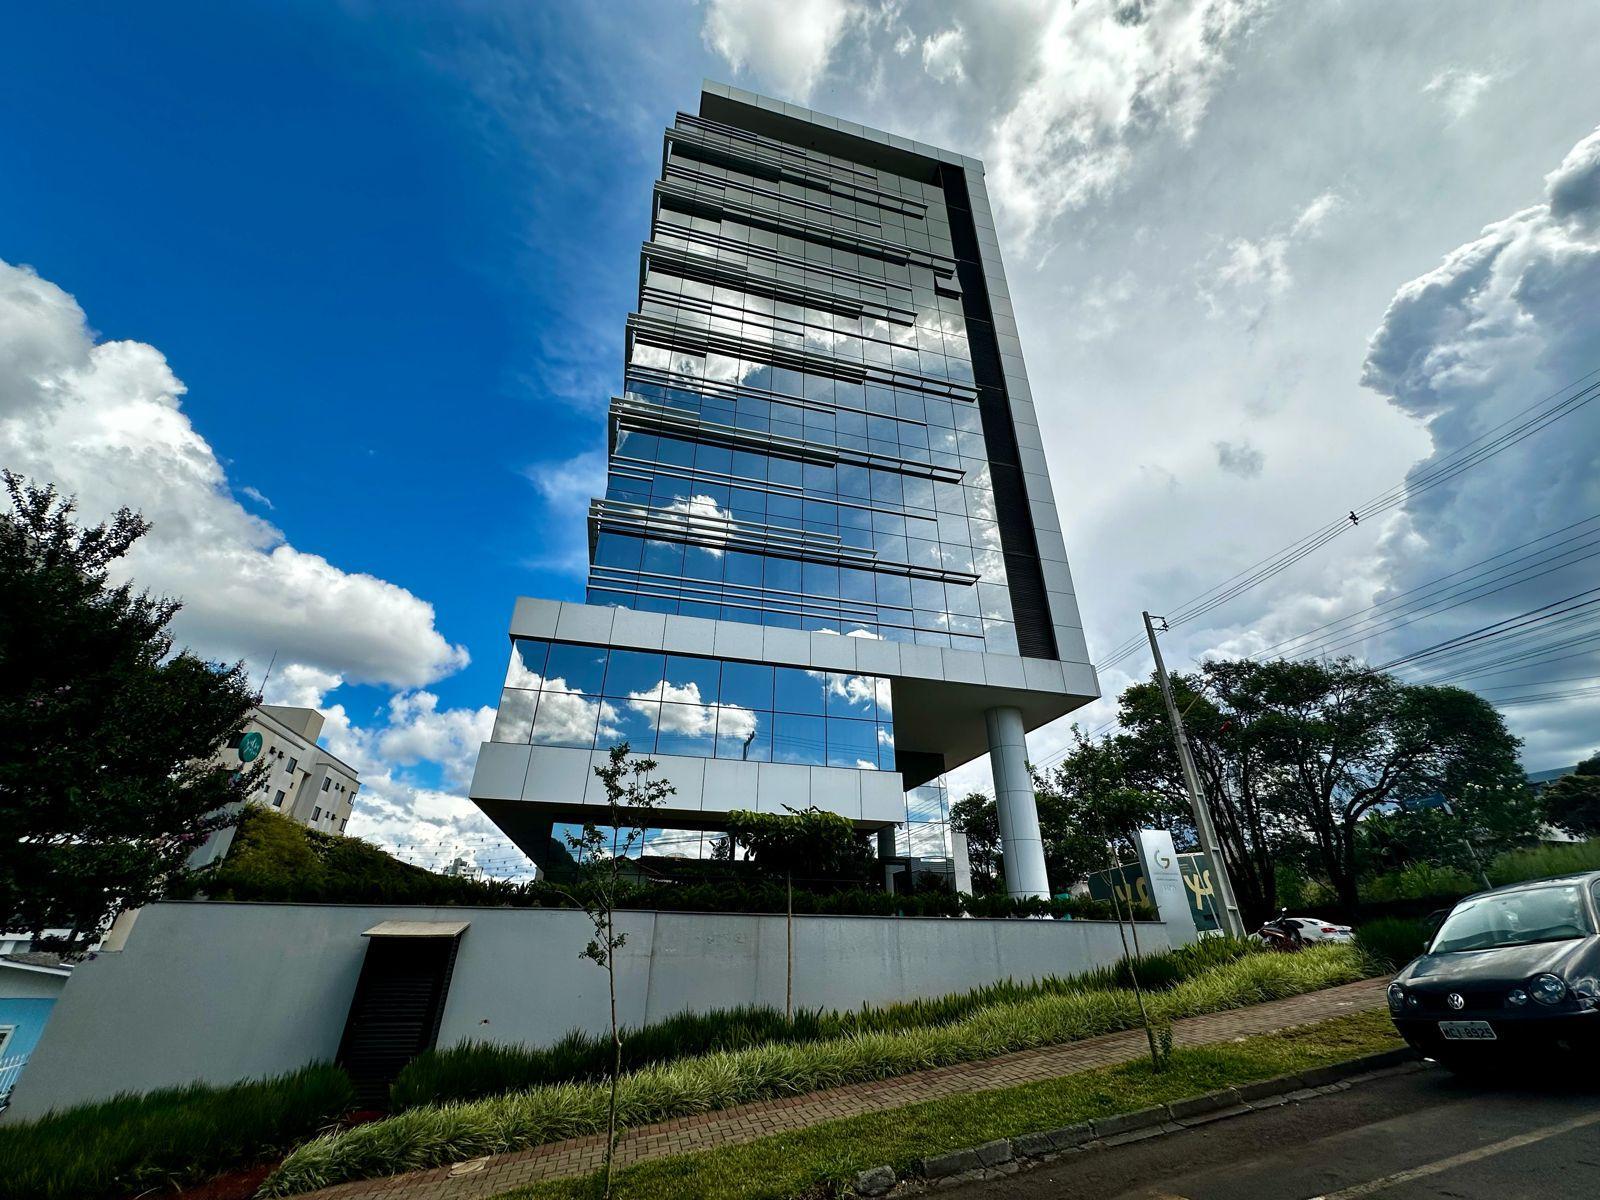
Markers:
(1460, 1160)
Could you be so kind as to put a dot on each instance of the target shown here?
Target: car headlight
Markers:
(1397, 998)
(1517, 998)
(1548, 989)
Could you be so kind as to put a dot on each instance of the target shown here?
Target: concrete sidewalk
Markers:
(751, 1121)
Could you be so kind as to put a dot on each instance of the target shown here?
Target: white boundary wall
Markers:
(220, 992)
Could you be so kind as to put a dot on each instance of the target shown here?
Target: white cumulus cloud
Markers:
(941, 55)
(786, 42)
(1103, 75)
(1503, 322)
(105, 421)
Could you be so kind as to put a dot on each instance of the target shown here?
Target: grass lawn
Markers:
(157, 1142)
(437, 1135)
(812, 1161)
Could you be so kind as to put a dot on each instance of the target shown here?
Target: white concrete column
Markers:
(1013, 797)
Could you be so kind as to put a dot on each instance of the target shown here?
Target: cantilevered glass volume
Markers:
(828, 565)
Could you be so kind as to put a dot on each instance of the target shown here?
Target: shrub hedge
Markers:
(476, 1069)
(434, 1135)
(276, 859)
(162, 1140)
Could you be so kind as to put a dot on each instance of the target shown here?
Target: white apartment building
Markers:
(303, 781)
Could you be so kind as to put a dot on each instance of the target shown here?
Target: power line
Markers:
(1548, 698)
(1466, 456)
(1497, 628)
(1429, 591)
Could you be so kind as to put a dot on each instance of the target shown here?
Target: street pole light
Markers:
(1232, 920)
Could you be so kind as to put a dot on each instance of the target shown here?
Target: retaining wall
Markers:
(221, 992)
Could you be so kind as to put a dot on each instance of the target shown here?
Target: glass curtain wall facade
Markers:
(799, 442)
(814, 434)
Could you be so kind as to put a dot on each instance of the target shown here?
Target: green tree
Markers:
(1345, 740)
(1084, 803)
(107, 736)
(1089, 800)
(1573, 801)
(805, 843)
(1221, 713)
(1295, 756)
(602, 851)
(975, 817)
(1463, 832)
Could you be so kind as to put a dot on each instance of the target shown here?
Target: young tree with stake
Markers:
(601, 850)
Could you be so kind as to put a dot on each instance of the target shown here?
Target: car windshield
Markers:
(1547, 914)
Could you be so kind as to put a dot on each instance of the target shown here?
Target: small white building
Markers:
(303, 781)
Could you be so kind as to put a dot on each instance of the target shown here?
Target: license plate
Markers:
(1466, 1031)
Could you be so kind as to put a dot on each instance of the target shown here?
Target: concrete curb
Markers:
(996, 1159)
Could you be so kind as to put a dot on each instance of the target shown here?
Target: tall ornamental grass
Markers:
(475, 1070)
(1536, 862)
(159, 1141)
(436, 1135)
(1392, 942)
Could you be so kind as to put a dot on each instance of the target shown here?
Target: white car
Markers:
(1314, 929)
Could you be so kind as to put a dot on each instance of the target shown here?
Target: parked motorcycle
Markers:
(1281, 934)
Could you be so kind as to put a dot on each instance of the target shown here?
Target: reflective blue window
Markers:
(630, 721)
(798, 739)
(852, 743)
(798, 691)
(747, 685)
(743, 734)
(851, 695)
(514, 721)
(527, 663)
(691, 680)
(565, 719)
(636, 673)
(575, 669)
(687, 729)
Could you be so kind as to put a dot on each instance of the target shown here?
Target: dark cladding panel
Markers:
(1035, 633)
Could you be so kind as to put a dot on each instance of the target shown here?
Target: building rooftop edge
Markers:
(259, 713)
(811, 116)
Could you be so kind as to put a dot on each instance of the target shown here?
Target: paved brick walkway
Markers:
(750, 1121)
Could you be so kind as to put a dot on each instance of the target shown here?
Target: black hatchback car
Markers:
(1509, 969)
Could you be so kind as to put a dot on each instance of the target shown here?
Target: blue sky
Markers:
(389, 290)
(335, 294)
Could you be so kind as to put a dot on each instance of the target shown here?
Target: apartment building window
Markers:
(293, 763)
(278, 799)
(316, 813)
(326, 783)
(343, 823)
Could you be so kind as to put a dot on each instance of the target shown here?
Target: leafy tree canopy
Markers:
(1322, 767)
(1291, 751)
(1573, 803)
(801, 843)
(106, 735)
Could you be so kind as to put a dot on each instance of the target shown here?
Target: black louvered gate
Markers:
(395, 1013)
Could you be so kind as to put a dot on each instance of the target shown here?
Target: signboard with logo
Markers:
(1134, 888)
(249, 746)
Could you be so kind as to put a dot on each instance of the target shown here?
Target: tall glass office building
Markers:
(828, 565)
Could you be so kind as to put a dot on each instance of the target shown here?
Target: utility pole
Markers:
(1232, 921)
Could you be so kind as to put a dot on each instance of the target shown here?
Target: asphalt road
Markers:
(1403, 1137)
